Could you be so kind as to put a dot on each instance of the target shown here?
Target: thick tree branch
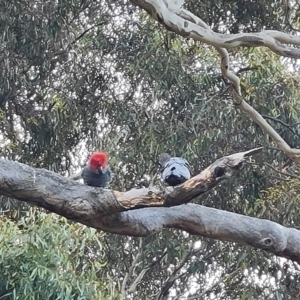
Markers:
(117, 212)
(209, 222)
(86, 204)
(105, 209)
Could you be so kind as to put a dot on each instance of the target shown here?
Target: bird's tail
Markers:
(75, 176)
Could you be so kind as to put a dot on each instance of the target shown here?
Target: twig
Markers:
(144, 271)
(224, 278)
(85, 32)
(282, 173)
(281, 122)
(131, 268)
(246, 69)
(173, 277)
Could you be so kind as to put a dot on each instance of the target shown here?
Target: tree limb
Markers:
(186, 24)
(86, 204)
(116, 212)
(272, 39)
(144, 271)
(209, 222)
(207, 290)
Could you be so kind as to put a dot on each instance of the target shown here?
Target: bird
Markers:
(174, 170)
(96, 173)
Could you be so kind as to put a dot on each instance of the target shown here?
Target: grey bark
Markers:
(141, 212)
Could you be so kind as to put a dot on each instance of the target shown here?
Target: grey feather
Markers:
(174, 170)
(98, 178)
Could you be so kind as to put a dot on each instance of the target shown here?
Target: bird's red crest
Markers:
(98, 159)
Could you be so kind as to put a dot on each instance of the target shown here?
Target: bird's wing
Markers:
(178, 167)
(107, 171)
(183, 162)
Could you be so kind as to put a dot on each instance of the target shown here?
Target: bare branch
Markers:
(246, 70)
(293, 154)
(186, 24)
(131, 268)
(272, 39)
(172, 278)
(222, 279)
(85, 32)
(144, 271)
(282, 173)
(289, 127)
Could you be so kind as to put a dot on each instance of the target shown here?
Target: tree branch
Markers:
(282, 173)
(289, 127)
(209, 222)
(272, 39)
(86, 204)
(293, 154)
(218, 282)
(116, 212)
(144, 271)
(131, 268)
(186, 24)
(85, 32)
(174, 276)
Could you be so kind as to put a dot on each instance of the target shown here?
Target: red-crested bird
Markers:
(96, 172)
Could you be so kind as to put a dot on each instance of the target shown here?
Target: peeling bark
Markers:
(83, 203)
(141, 212)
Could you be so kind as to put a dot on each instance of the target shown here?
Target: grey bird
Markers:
(96, 172)
(174, 170)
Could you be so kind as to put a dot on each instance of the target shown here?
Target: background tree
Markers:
(84, 75)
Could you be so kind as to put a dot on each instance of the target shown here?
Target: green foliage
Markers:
(43, 256)
(78, 76)
(247, 15)
(281, 203)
